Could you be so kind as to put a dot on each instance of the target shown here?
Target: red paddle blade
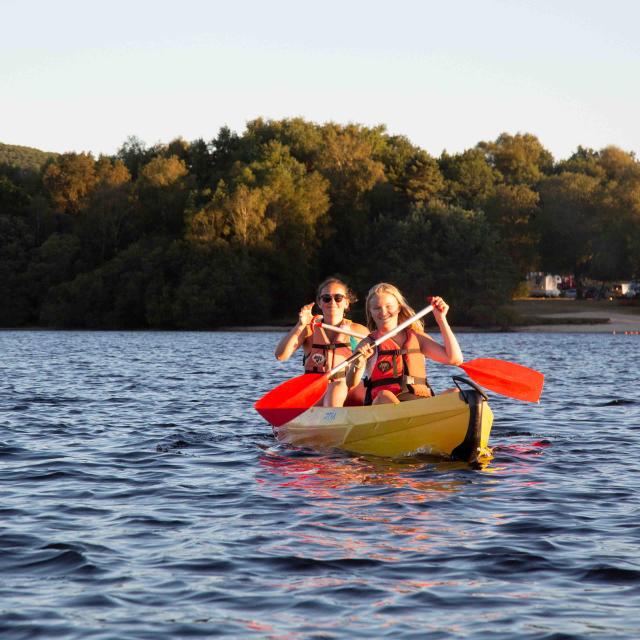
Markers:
(506, 378)
(291, 398)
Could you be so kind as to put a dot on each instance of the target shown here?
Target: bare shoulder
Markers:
(359, 328)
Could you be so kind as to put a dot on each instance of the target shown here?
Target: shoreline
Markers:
(603, 328)
(544, 318)
(535, 316)
(608, 327)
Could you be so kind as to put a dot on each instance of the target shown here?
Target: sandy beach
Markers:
(581, 316)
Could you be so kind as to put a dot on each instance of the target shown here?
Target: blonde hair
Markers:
(405, 310)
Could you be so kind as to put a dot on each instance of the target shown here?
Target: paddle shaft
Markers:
(347, 332)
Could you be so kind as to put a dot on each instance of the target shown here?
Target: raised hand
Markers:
(305, 316)
(440, 307)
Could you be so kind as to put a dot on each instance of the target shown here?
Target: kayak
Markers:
(454, 425)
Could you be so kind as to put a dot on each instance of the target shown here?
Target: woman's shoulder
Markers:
(359, 328)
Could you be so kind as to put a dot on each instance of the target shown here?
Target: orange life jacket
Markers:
(397, 369)
(325, 353)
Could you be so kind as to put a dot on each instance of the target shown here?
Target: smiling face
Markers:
(333, 302)
(384, 309)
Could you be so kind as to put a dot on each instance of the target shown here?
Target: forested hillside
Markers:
(240, 229)
(18, 157)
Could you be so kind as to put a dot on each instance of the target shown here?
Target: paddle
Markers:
(317, 322)
(506, 378)
(293, 397)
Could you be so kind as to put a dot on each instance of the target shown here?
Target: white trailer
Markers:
(544, 285)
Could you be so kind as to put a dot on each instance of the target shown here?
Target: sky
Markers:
(84, 76)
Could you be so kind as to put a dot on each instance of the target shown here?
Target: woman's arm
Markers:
(450, 352)
(298, 334)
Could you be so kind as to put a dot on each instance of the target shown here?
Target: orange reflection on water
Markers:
(336, 520)
(254, 625)
(321, 475)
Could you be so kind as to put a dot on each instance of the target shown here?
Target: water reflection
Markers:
(324, 475)
(340, 500)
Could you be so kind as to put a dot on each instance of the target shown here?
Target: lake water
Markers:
(142, 497)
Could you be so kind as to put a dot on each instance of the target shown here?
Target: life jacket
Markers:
(397, 369)
(326, 354)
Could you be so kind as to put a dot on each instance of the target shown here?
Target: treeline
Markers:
(239, 230)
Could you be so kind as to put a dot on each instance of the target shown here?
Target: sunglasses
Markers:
(327, 297)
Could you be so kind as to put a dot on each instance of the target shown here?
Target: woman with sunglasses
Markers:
(324, 349)
(395, 371)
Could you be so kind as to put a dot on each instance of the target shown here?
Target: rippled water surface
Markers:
(142, 497)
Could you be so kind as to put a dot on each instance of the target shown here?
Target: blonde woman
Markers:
(395, 370)
(324, 349)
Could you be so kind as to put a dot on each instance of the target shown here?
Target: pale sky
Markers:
(83, 75)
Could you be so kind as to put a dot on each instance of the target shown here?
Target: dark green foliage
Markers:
(163, 284)
(470, 179)
(239, 230)
(441, 250)
(16, 307)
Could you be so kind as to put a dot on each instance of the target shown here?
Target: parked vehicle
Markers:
(544, 285)
(633, 291)
(620, 289)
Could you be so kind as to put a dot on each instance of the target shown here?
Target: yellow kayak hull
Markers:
(454, 425)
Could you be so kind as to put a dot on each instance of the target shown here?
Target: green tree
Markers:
(244, 210)
(17, 239)
(17, 306)
(220, 287)
(69, 180)
(14, 200)
(55, 261)
(520, 159)
(441, 250)
(423, 180)
(163, 189)
(470, 179)
(512, 209)
(200, 163)
(351, 165)
(617, 254)
(111, 296)
(106, 224)
(585, 161)
(134, 153)
(569, 223)
(303, 139)
(207, 219)
(349, 162)
(618, 164)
